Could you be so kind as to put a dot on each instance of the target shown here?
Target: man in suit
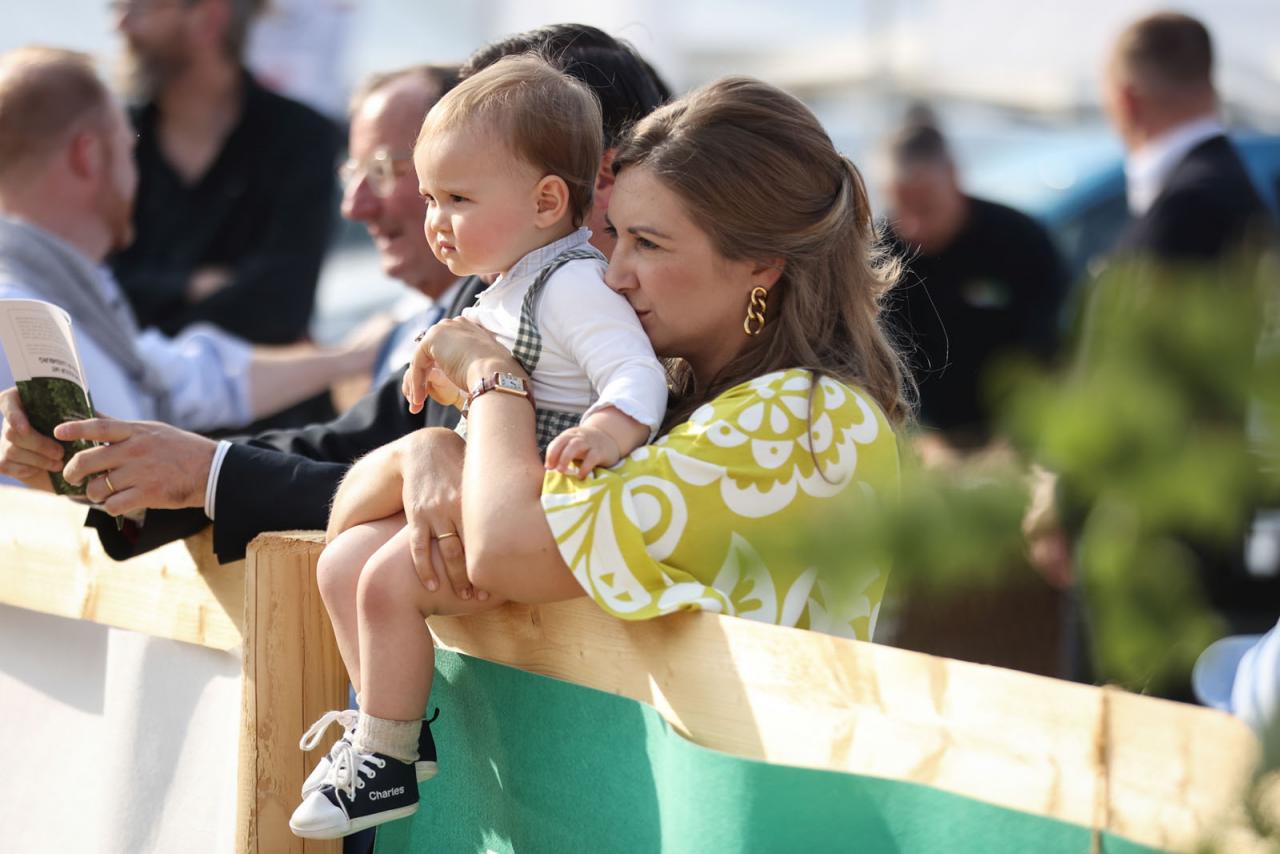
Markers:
(1195, 209)
(377, 192)
(1188, 191)
(1194, 206)
(286, 479)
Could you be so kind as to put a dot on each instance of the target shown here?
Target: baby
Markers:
(506, 163)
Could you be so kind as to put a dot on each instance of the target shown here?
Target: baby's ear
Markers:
(552, 198)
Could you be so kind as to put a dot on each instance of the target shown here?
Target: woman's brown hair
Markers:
(758, 173)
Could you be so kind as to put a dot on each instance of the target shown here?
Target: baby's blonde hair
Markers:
(545, 117)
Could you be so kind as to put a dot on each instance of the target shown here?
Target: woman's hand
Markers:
(431, 471)
(452, 356)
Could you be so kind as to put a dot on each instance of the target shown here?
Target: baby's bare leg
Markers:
(397, 656)
(338, 574)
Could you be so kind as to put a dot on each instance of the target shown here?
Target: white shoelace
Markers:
(348, 765)
(346, 717)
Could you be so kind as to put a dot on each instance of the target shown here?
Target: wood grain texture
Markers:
(51, 563)
(1177, 772)
(1160, 773)
(292, 674)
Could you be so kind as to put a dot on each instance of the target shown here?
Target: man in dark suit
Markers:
(1195, 209)
(1189, 193)
(286, 479)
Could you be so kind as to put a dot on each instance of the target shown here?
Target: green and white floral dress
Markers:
(708, 516)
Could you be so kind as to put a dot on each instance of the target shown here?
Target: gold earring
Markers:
(755, 312)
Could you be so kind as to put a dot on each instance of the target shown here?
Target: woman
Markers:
(746, 247)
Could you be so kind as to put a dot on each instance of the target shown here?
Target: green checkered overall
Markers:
(528, 348)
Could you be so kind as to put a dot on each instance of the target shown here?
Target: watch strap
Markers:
(500, 381)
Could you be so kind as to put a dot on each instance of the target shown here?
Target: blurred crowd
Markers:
(184, 224)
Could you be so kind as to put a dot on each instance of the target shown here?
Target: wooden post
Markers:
(292, 674)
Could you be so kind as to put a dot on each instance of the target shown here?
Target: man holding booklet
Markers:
(67, 182)
(286, 479)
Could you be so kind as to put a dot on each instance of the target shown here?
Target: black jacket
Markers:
(285, 479)
(1207, 209)
(263, 210)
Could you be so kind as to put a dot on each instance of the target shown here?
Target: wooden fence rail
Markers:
(1159, 773)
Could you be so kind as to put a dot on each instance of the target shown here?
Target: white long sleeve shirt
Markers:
(594, 351)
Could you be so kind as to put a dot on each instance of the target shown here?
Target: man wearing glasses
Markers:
(235, 196)
(380, 190)
(285, 479)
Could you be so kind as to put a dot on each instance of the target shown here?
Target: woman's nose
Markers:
(618, 275)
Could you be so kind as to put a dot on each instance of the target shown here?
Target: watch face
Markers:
(511, 383)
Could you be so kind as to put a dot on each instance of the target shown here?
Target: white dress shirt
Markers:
(1147, 169)
(594, 351)
(412, 314)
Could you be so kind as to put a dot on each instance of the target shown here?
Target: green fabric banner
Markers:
(531, 764)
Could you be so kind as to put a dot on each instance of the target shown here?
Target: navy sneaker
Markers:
(425, 768)
(361, 790)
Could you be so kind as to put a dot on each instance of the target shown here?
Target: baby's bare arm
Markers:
(626, 432)
(603, 438)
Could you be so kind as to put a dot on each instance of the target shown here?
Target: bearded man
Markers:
(236, 185)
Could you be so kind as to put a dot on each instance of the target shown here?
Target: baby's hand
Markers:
(585, 445)
(423, 379)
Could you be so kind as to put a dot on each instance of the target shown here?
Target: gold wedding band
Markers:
(446, 536)
(106, 478)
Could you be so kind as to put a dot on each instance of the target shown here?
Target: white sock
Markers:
(397, 739)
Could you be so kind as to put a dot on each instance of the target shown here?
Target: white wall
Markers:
(115, 742)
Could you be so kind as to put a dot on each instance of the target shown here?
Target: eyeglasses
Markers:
(381, 169)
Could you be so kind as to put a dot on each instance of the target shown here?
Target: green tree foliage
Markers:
(1162, 429)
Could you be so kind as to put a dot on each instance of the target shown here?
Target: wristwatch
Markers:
(502, 381)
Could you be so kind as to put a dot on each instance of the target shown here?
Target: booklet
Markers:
(41, 350)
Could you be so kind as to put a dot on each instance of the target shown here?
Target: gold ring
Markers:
(446, 536)
(106, 477)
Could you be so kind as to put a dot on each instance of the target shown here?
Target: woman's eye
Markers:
(645, 244)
